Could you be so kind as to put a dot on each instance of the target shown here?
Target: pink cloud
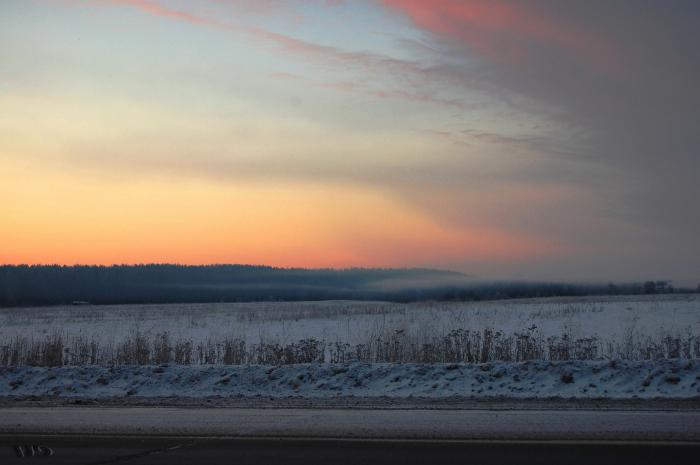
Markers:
(412, 74)
(286, 43)
(501, 31)
(160, 10)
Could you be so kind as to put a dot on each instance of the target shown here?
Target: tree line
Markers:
(23, 285)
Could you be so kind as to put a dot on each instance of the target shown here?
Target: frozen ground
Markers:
(352, 322)
(579, 379)
(635, 327)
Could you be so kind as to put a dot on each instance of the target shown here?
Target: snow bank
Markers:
(667, 379)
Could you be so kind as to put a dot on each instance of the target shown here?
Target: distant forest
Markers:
(59, 285)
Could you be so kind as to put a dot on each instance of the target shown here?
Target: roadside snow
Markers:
(615, 380)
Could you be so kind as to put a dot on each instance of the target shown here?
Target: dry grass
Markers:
(394, 346)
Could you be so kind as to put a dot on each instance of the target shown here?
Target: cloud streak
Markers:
(504, 31)
(411, 75)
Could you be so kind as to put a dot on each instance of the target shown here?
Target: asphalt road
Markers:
(96, 435)
(87, 450)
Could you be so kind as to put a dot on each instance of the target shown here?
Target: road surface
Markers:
(96, 435)
(87, 450)
(357, 423)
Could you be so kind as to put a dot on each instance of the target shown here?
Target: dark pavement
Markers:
(85, 450)
(81, 435)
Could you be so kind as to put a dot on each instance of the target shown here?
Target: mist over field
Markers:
(55, 285)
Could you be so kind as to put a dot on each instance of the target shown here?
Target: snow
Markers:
(576, 379)
(608, 318)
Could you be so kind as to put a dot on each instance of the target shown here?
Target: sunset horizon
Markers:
(506, 140)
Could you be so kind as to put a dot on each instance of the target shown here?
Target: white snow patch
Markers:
(577, 379)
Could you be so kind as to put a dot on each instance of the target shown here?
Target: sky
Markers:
(524, 140)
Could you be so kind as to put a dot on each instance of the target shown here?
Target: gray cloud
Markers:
(634, 124)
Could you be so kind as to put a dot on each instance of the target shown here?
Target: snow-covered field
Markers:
(353, 322)
(593, 347)
(634, 328)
